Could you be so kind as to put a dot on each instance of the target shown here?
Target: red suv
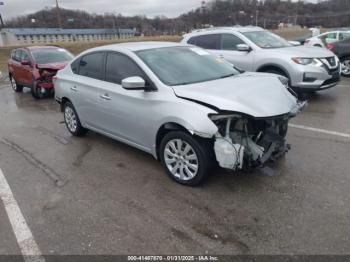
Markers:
(34, 67)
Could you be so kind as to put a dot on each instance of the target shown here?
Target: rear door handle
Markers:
(106, 97)
(74, 88)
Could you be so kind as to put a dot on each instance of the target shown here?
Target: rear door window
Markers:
(119, 67)
(91, 65)
(230, 42)
(211, 41)
(344, 35)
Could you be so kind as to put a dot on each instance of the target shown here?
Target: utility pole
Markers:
(58, 13)
(1, 21)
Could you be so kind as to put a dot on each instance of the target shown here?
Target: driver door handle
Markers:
(106, 97)
(74, 88)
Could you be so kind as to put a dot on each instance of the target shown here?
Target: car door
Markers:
(331, 37)
(26, 70)
(228, 49)
(85, 88)
(15, 66)
(127, 113)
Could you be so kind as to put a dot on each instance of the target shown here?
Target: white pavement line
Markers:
(323, 131)
(29, 248)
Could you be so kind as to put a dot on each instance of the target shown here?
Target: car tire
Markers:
(318, 45)
(186, 159)
(36, 91)
(345, 66)
(16, 87)
(72, 121)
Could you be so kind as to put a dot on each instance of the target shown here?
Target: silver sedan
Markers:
(187, 108)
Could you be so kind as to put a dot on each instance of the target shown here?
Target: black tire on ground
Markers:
(202, 148)
(317, 45)
(36, 91)
(16, 87)
(72, 121)
(345, 73)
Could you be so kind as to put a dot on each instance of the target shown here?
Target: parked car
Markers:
(35, 66)
(184, 106)
(324, 39)
(308, 69)
(302, 39)
(342, 50)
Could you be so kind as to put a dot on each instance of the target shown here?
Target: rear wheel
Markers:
(345, 66)
(72, 120)
(16, 87)
(187, 160)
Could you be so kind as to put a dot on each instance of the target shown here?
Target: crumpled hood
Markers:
(304, 51)
(255, 94)
(53, 66)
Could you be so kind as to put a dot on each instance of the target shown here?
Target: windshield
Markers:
(51, 55)
(185, 65)
(265, 39)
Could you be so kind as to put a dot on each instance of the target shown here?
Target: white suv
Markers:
(308, 69)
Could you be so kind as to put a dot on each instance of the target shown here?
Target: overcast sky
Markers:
(151, 8)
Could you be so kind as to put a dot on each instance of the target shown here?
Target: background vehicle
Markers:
(34, 67)
(178, 103)
(342, 50)
(308, 69)
(324, 39)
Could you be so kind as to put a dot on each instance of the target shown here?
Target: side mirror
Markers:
(134, 83)
(295, 43)
(26, 63)
(244, 48)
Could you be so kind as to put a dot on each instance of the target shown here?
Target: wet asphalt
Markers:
(93, 195)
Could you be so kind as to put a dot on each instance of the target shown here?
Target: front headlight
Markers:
(307, 61)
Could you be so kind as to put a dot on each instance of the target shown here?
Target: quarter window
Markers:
(230, 42)
(119, 67)
(92, 65)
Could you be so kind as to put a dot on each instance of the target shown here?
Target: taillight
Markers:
(330, 46)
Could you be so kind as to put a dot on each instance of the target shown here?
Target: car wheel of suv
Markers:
(72, 120)
(185, 159)
(16, 87)
(36, 91)
(345, 66)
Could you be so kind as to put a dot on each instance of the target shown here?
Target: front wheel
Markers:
(36, 91)
(72, 120)
(187, 160)
(345, 66)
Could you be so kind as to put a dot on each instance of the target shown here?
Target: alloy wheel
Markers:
(71, 119)
(181, 159)
(345, 67)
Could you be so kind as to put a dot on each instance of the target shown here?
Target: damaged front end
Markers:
(45, 78)
(244, 142)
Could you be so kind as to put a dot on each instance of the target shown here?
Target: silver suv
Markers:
(308, 68)
(179, 103)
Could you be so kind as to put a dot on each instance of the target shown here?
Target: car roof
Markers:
(137, 46)
(30, 48)
(241, 29)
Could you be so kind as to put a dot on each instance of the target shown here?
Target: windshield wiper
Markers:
(226, 76)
